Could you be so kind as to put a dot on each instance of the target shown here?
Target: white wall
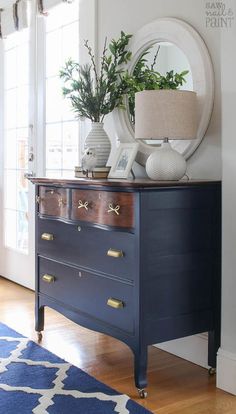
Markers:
(226, 378)
(130, 16)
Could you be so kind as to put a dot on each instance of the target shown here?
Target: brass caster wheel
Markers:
(142, 393)
(40, 336)
(212, 371)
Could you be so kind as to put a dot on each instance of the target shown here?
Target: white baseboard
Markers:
(192, 348)
(226, 371)
(29, 284)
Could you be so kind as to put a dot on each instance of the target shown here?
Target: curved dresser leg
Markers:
(140, 370)
(39, 321)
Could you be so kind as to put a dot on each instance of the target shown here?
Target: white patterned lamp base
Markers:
(98, 139)
(165, 164)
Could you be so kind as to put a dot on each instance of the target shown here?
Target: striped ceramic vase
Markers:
(98, 139)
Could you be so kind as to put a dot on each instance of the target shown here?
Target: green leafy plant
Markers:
(145, 77)
(96, 92)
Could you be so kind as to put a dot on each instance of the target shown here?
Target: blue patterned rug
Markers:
(33, 380)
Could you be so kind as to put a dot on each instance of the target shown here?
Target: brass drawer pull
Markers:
(47, 236)
(115, 253)
(115, 303)
(38, 199)
(61, 202)
(48, 278)
(114, 209)
(83, 205)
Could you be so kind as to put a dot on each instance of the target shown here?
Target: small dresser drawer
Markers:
(111, 252)
(53, 201)
(107, 207)
(102, 298)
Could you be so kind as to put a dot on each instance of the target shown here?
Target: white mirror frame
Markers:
(186, 38)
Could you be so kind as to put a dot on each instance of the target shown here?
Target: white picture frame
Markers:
(123, 161)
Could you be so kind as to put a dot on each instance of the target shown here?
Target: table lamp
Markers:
(165, 114)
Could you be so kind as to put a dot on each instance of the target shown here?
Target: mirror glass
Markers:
(161, 57)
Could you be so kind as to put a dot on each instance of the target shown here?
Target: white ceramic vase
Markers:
(165, 164)
(98, 139)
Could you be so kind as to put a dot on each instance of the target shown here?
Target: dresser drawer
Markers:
(107, 207)
(53, 201)
(88, 293)
(88, 248)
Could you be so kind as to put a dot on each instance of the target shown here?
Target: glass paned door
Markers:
(17, 260)
(32, 108)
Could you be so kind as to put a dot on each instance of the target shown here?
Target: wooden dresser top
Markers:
(137, 184)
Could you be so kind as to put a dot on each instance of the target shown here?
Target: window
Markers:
(16, 93)
(62, 130)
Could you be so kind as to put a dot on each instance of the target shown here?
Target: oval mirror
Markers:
(167, 45)
(159, 59)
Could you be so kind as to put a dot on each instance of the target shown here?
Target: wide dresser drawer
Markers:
(107, 207)
(103, 298)
(111, 252)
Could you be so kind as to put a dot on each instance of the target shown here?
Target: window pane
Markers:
(70, 42)
(10, 189)
(53, 53)
(54, 18)
(22, 230)
(10, 228)
(22, 106)
(67, 112)
(54, 173)
(12, 41)
(53, 100)
(11, 72)
(68, 173)
(22, 193)
(10, 149)
(10, 109)
(70, 145)
(22, 149)
(23, 66)
(70, 14)
(53, 147)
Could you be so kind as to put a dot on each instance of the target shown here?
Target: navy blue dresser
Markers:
(137, 260)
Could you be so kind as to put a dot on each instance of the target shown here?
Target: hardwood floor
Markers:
(175, 385)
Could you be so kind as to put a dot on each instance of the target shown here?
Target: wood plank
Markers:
(175, 385)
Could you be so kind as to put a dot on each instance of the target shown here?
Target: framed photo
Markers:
(123, 161)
